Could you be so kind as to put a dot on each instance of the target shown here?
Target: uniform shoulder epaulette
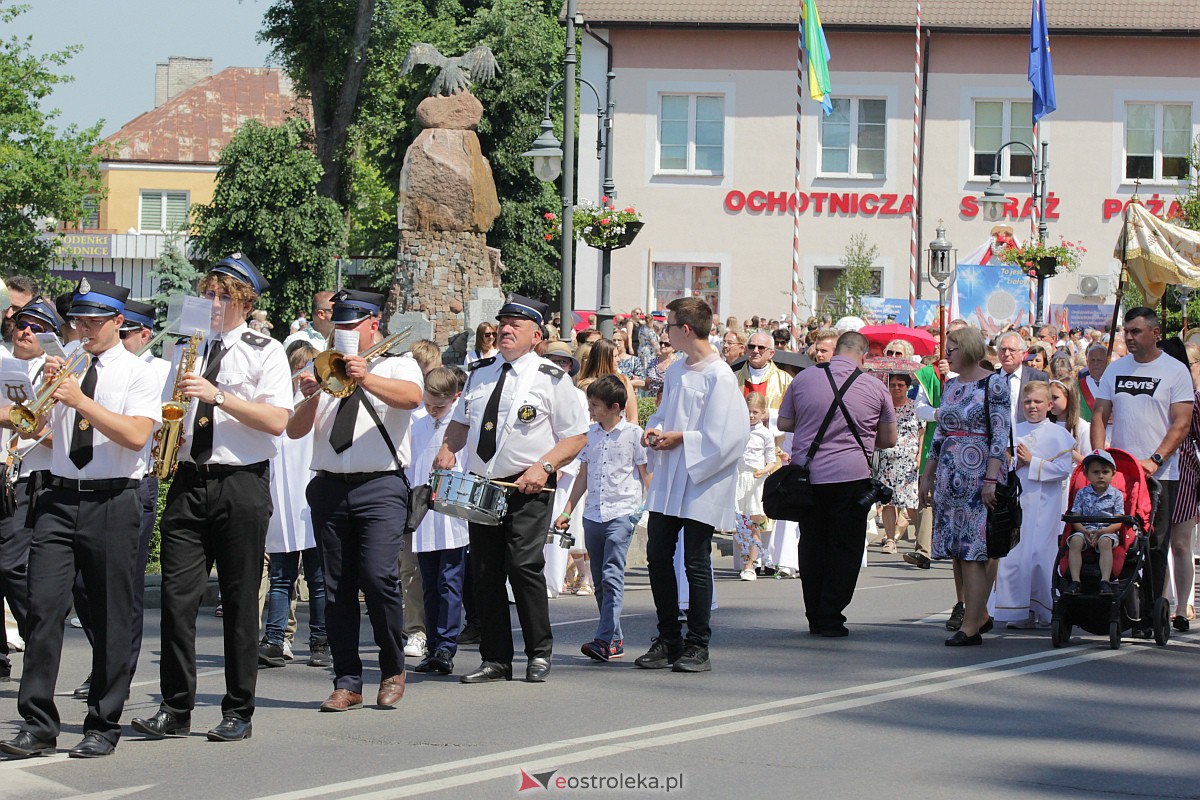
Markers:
(483, 362)
(551, 370)
(254, 340)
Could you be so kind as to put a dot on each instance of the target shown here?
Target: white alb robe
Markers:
(290, 529)
(437, 531)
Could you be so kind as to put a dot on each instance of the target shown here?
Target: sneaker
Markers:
(585, 590)
(956, 617)
(616, 648)
(748, 574)
(694, 659)
(415, 647)
(287, 650)
(318, 655)
(270, 655)
(1072, 588)
(597, 649)
(660, 655)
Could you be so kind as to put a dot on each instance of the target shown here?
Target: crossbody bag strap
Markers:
(383, 432)
(841, 404)
(833, 409)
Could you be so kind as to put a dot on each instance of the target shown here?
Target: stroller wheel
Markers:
(1114, 635)
(1162, 621)
(1060, 633)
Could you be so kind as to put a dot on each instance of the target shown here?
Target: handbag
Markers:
(420, 499)
(1004, 521)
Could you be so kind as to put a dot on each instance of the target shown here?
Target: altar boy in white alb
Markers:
(695, 443)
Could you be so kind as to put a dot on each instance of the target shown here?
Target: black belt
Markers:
(101, 485)
(222, 469)
(357, 477)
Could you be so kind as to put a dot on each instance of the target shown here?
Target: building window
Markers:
(854, 138)
(163, 211)
(996, 123)
(691, 134)
(90, 219)
(672, 281)
(1158, 138)
(827, 278)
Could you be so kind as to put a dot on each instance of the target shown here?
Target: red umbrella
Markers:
(923, 342)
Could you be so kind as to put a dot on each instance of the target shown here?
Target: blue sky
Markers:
(123, 40)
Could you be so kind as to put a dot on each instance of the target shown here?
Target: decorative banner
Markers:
(992, 296)
(877, 310)
(927, 312)
(1081, 315)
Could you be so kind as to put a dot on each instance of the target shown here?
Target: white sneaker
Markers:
(287, 650)
(748, 574)
(415, 648)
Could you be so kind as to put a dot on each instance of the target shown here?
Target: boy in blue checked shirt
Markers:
(1098, 499)
(613, 471)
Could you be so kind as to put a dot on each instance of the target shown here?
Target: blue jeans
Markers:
(607, 544)
(285, 568)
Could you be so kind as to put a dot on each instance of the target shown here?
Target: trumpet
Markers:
(29, 419)
(330, 366)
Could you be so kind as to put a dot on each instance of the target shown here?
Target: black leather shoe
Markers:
(426, 664)
(960, 639)
(163, 725)
(917, 560)
(537, 670)
(488, 672)
(441, 662)
(81, 691)
(5, 671)
(987, 626)
(25, 744)
(231, 729)
(93, 746)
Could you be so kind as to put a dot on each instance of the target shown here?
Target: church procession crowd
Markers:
(438, 487)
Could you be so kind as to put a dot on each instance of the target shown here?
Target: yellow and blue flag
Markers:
(817, 54)
(1041, 69)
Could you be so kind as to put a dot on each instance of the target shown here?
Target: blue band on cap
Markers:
(370, 308)
(138, 318)
(100, 301)
(531, 312)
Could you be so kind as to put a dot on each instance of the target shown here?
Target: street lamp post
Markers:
(943, 260)
(994, 201)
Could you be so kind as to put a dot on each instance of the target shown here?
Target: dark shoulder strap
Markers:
(833, 408)
(841, 404)
(382, 431)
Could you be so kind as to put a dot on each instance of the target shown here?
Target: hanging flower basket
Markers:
(1045, 261)
(603, 226)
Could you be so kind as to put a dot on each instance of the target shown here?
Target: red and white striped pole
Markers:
(914, 254)
(796, 260)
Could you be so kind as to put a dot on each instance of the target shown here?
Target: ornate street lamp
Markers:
(943, 261)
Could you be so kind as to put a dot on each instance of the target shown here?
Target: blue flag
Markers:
(1041, 69)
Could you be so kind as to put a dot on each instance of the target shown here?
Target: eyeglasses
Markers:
(894, 354)
(758, 347)
(490, 334)
(125, 333)
(26, 325)
(211, 296)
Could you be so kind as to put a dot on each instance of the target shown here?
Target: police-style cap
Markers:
(138, 315)
(98, 299)
(518, 306)
(351, 306)
(1098, 455)
(43, 311)
(240, 267)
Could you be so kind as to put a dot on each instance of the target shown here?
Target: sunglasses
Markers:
(757, 347)
(894, 354)
(26, 325)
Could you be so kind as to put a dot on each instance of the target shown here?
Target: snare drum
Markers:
(469, 497)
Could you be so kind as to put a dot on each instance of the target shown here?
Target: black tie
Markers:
(342, 435)
(202, 427)
(81, 434)
(487, 437)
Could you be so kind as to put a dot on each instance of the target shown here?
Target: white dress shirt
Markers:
(614, 482)
(34, 457)
(437, 531)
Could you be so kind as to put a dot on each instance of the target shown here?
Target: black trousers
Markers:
(360, 530)
(833, 532)
(662, 537)
(94, 534)
(15, 538)
(1160, 544)
(213, 519)
(513, 550)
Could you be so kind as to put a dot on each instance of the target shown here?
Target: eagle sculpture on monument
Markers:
(477, 65)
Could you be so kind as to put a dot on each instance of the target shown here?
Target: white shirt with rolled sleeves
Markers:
(34, 457)
(539, 406)
(698, 479)
(614, 484)
(253, 368)
(124, 385)
(369, 452)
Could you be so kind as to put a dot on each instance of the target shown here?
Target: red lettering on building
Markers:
(868, 203)
(889, 205)
(735, 201)
(756, 201)
(777, 201)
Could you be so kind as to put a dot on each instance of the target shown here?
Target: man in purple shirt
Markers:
(833, 529)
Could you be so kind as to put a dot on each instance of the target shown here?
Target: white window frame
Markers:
(691, 139)
(1157, 177)
(854, 171)
(1006, 135)
(162, 208)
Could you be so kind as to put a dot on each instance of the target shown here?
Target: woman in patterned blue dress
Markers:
(962, 473)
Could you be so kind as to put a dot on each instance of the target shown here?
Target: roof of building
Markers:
(195, 125)
(1109, 16)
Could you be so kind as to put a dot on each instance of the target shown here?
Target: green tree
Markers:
(176, 275)
(266, 205)
(47, 173)
(858, 278)
(1189, 202)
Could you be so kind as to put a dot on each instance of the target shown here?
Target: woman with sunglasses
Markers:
(658, 368)
(485, 342)
(898, 348)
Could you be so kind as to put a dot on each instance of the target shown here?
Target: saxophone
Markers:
(165, 453)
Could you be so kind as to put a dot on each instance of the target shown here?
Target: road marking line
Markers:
(833, 700)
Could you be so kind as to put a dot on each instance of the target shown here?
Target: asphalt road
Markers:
(887, 712)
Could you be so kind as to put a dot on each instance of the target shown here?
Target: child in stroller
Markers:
(1098, 499)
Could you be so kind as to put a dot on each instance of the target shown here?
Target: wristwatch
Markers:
(219, 398)
(546, 465)
(1157, 459)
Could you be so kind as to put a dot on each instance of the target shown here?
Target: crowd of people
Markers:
(675, 422)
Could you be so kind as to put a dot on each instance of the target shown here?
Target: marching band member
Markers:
(521, 422)
(220, 502)
(87, 521)
(359, 500)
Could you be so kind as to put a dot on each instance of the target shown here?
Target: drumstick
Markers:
(511, 485)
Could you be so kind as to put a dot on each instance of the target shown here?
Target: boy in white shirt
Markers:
(612, 469)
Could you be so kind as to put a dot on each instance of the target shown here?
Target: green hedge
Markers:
(646, 407)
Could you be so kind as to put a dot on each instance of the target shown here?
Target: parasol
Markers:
(922, 342)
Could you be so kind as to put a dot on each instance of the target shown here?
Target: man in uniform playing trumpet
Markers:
(219, 503)
(87, 521)
(359, 498)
